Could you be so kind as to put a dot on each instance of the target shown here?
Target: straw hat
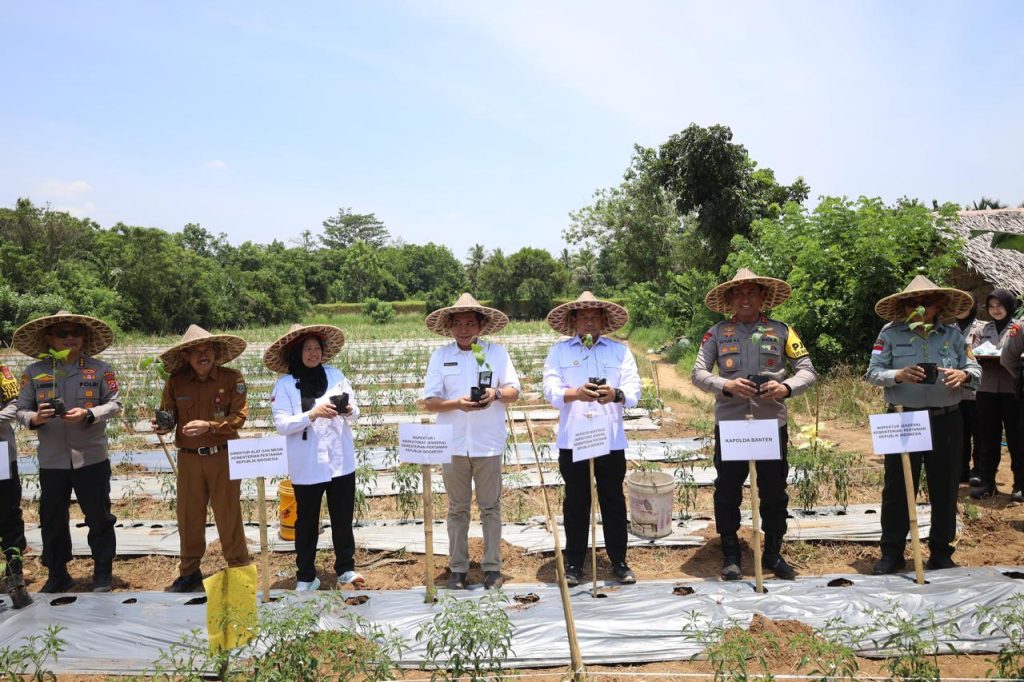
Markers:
(227, 347)
(439, 321)
(560, 320)
(30, 337)
(276, 356)
(954, 301)
(777, 291)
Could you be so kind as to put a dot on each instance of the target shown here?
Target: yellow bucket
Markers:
(287, 510)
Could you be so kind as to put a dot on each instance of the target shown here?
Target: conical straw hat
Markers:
(227, 347)
(439, 321)
(276, 356)
(560, 320)
(30, 337)
(777, 291)
(954, 301)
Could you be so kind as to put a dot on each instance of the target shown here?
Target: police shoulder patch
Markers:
(707, 335)
(794, 346)
(240, 388)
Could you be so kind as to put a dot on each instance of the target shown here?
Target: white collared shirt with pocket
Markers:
(450, 374)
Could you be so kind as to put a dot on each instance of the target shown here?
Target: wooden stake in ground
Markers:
(428, 534)
(915, 535)
(512, 431)
(593, 529)
(755, 505)
(261, 500)
(170, 460)
(578, 673)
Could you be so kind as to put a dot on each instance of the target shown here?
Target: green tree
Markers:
(362, 275)
(985, 203)
(424, 268)
(474, 261)
(347, 228)
(493, 281)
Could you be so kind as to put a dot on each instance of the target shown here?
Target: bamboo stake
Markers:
(170, 460)
(578, 672)
(428, 534)
(512, 431)
(261, 499)
(755, 503)
(593, 529)
(915, 534)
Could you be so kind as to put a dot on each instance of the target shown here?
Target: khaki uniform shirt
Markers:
(994, 377)
(742, 348)
(1013, 346)
(8, 411)
(220, 399)
(898, 346)
(87, 383)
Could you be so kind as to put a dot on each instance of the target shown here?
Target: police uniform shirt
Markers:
(220, 399)
(740, 349)
(899, 346)
(87, 383)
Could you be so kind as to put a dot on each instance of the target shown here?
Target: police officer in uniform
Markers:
(751, 351)
(209, 405)
(72, 445)
(1010, 358)
(12, 525)
(899, 364)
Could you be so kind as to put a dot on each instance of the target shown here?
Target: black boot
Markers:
(771, 559)
(17, 591)
(731, 557)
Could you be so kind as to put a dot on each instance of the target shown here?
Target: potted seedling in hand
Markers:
(760, 380)
(163, 421)
(56, 402)
(916, 322)
(484, 374)
(595, 382)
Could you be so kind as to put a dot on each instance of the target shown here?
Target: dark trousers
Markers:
(12, 526)
(610, 471)
(996, 412)
(771, 486)
(969, 417)
(341, 496)
(91, 485)
(943, 464)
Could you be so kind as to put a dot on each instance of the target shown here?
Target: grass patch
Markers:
(650, 338)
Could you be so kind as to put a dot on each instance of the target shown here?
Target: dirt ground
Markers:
(993, 533)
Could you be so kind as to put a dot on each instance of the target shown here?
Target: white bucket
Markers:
(650, 503)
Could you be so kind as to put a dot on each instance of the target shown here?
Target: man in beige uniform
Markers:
(209, 405)
(67, 403)
(751, 351)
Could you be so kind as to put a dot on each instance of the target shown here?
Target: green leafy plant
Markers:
(54, 356)
(407, 480)
(1005, 619)
(156, 365)
(915, 320)
(731, 648)
(30, 659)
(480, 354)
(379, 312)
(916, 647)
(468, 638)
(827, 654)
(588, 341)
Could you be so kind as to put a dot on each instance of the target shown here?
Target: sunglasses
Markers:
(64, 333)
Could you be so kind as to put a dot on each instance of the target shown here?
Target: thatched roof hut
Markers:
(988, 267)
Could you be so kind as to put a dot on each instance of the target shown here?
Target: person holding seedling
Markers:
(314, 406)
(922, 363)
(468, 383)
(752, 352)
(589, 375)
(66, 397)
(12, 525)
(999, 406)
(208, 404)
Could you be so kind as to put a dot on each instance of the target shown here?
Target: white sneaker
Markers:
(351, 577)
(312, 586)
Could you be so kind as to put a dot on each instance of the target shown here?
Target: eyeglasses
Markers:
(65, 332)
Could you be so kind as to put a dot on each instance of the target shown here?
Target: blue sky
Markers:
(465, 122)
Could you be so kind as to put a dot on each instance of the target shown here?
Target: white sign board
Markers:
(894, 433)
(746, 439)
(256, 457)
(425, 443)
(5, 464)
(589, 436)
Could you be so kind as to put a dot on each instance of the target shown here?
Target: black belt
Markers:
(212, 450)
(932, 411)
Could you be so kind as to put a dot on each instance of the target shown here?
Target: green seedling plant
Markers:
(469, 638)
(735, 653)
(827, 655)
(517, 496)
(54, 356)
(30, 659)
(1007, 620)
(406, 482)
(366, 477)
(130, 495)
(916, 646)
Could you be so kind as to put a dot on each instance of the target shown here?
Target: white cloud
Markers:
(217, 164)
(80, 211)
(55, 189)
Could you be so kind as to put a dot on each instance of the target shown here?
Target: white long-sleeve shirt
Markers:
(569, 365)
(328, 450)
(450, 374)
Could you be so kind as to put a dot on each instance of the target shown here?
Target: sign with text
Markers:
(5, 464)
(589, 435)
(256, 457)
(896, 432)
(425, 443)
(746, 439)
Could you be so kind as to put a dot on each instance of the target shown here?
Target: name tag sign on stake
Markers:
(589, 435)
(5, 466)
(743, 440)
(899, 432)
(256, 457)
(425, 443)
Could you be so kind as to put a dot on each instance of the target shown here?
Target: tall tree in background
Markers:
(474, 261)
(985, 203)
(347, 228)
(708, 175)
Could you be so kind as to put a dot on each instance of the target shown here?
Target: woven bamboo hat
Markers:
(227, 347)
(30, 338)
(439, 321)
(777, 291)
(276, 356)
(561, 321)
(954, 302)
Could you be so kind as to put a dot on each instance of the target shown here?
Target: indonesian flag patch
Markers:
(878, 347)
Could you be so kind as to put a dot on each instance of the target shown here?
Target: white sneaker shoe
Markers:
(351, 577)
(312, 586)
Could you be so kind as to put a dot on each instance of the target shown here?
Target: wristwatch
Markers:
(89, 417)
(620, 397)
(497, 394)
